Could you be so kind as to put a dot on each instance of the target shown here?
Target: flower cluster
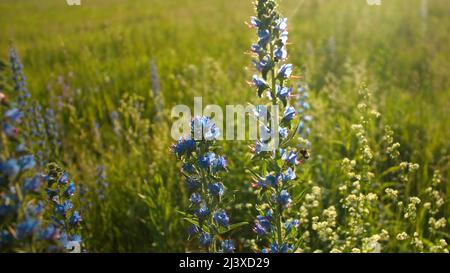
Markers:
(60, 191)
(22, 225)
(275, 173)
(202, 168)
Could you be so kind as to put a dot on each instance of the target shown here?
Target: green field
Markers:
(93, 65)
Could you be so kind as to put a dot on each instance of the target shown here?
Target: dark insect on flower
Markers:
(192, 183)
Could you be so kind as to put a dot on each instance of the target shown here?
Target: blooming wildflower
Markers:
(193, 229)
(216, 188)
(64, 179)
(206, 160)
(289, 114)
(202, 171)
(75, 218)
(26, 162)
(285, 71)
(70, 191)
(205, 239)
(14, 115)
(288, 175)
(221, 218)
(195, 198)
(283, 93)
(188, 168)
(27, 227)
(280, 53)
(291, 158)
(281, 24)
(227, 246)
(264, 37)
(63, 208)
(260, 84)
(183, 147)
(284, 198)
(291, 224)
(219, 164)
(202, 211)
(10, 168)
(284, 248)
(32, 184)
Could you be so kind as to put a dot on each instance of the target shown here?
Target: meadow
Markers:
(377, 176)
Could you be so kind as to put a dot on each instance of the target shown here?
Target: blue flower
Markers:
(284, 37)
(284, 198)
(264, 37)
(256, 49)
(71, 189)
(188, 168)
(10, 168)
(14, 115)
(10, 130)
(288, 175)
(183, 147)
(64, 208)
(204, 128)
(283, 93)
(269, 181)
(283, 132)
(205, 239)
(27, 227)
(216, 189)
(193, 229)
(75, 218)
(289, 114)
(219, 164)
(280, 53)
(26, 162)
(263, 66)
(222, 218)
(256, 22)
(291, 224)
(202, 212)
(196, 198)
(64, 179)
(227, 246)
(285, 71)
(284, 248)
(259, 229)
(260, 84)
(281, 24)
(263, 225)
(290, 158)
(205, 161)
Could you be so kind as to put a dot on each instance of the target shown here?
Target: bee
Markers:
(304, 153)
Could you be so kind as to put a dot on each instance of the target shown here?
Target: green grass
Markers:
(103, 48)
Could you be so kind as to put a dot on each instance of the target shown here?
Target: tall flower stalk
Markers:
(202, 168)
(275, 171)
